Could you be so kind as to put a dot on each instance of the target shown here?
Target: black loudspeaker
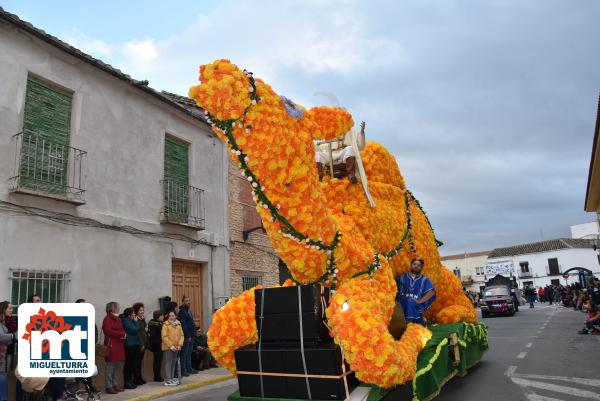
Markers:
(286, 310)
(162, 303)
(326, 359)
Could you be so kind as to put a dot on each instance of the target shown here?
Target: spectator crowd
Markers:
(171, 336)
(179, 348)
(581, 298)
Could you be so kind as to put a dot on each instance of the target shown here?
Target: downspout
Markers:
(212, 287)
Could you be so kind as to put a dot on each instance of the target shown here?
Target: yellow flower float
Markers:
(326, 231)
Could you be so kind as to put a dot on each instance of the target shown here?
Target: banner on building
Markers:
(504, 268)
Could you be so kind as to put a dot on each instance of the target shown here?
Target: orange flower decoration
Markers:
(271, 138)
(232, 327)
(333, 122)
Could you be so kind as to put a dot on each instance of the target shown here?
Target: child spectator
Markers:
(592, 324)
(172, 341)
(155, 334)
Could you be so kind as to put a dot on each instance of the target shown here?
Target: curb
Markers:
(180, 389)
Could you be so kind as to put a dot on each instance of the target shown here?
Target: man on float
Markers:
(343, 151)
(415, 292)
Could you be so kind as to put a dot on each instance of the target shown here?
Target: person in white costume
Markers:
(342, 151)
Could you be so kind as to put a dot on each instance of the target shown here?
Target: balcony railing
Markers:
(182, 204)
(48, 168)
(525, 274)
(554, 272)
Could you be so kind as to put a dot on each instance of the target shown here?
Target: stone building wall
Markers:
(254, 257)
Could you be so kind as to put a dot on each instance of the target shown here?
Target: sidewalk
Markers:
(152, 390)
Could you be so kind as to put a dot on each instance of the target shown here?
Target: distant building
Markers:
(469, 267)
(545, 262)
(586, 230)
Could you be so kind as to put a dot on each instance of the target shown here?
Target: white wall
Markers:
(122, 129)
(585, 230)
(538, 264)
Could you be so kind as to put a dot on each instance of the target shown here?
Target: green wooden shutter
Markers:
(47, 111)
(45, 140)
(176, 160)
(176, 184)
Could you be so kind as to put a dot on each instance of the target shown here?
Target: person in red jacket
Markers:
(114, 340)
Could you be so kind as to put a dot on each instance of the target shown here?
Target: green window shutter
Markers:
(176, 160)
(45, 140)
(176, 184)
(47, 111)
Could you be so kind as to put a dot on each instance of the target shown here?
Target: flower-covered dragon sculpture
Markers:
(326, 231)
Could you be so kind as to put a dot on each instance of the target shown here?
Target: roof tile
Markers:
(542, 246)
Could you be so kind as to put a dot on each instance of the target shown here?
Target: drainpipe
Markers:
(212, 287)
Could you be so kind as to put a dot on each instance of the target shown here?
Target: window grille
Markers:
(250, 282)
(47, 167)
(182, 204)
(50, 285)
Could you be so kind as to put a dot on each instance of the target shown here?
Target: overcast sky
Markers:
(488, 106)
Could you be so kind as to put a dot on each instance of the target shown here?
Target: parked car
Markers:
(497, 300)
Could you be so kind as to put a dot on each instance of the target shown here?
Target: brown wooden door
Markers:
(187, 280)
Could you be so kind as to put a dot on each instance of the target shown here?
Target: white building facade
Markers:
(543, 263)
(586, 230)
(109, 190)
(469, 268)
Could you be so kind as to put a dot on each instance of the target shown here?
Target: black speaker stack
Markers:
(294, 357)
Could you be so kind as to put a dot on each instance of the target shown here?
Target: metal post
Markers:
(19, 288)
(56, 286)
(330, 159)
(26, 285)
(42, 293)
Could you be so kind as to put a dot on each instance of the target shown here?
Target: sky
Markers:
(488, 106)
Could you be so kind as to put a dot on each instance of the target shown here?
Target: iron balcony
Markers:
(45, 167)
(182, 204)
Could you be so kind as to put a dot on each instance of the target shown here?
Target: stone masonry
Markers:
(254, 257)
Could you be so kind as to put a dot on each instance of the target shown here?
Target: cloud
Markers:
(313, 39)
(489, 107)
(81, 41)
(139, 51)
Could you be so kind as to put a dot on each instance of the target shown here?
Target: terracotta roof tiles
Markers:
(542, 246)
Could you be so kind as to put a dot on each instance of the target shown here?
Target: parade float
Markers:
(334, 331)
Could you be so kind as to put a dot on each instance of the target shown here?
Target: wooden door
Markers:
(187, 280)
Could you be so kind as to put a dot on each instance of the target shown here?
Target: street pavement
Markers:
(535, 355)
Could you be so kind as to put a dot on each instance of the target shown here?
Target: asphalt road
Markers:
(535, 355)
